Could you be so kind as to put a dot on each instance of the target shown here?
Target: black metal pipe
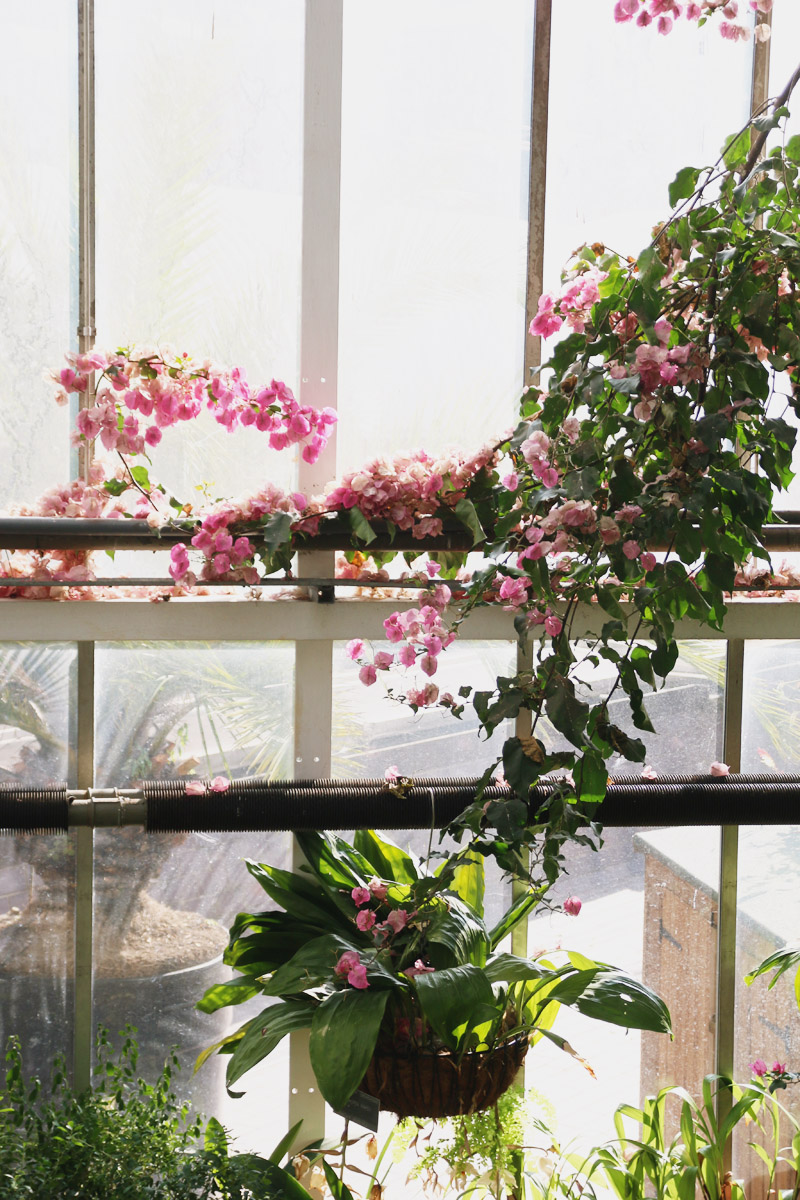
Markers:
(78, 533)
(260, 806)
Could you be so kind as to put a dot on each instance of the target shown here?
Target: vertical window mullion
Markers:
(319, 334)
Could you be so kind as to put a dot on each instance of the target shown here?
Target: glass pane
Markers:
(435, 131)
(372, 732)
(629, 123)
(649, 908)
(38, 148)
(201, 250)
(37, 881)
(767, 1019)
(164, 902)
(771, 715)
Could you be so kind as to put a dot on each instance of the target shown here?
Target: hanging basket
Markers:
(442, 1084)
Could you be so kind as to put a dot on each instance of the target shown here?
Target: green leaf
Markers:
(385, 857)
(215, 1139)
(140, 476)
(566, 712)
(220, 995)
(469, 882)
(683, 185)
(591, 778)
(343, 1036)
(620, 1000)
(286, 1142)
(360, 526)
(313, 965)
(448, 997)
(263, 1178)
(736, 149)
(520, 771)
(337, 1187)
(459, 932)
(514, 914)
(265, 1032)
(308, 902)
(467, 515)
(276, 530)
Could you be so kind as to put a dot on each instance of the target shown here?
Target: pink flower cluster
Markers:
(225, 556)
(138, 396)
(351, 965)
(410, 488)
(423, 635)
(760, 1068)
(572, 305)
(366, 919)
(665, 12)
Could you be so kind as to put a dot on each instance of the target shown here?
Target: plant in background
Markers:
(651, 1163)
(123, 1137)
(392, 968)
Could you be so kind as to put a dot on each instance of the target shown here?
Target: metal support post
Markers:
(728, 886)
(83, 1029)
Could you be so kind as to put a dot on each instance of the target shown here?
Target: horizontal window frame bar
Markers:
(196, 619)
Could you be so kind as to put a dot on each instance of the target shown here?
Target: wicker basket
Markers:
(442, 1084)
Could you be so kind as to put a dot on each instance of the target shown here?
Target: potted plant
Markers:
(406, 993)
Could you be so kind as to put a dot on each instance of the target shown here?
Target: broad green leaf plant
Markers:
(369, 947)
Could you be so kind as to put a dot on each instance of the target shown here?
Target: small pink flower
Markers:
(572, 906)
(348, 962)
(553, 625)
(720, 769)
(357, 978)
(631, 549)
(432, 568)
(418, 968)
(648, 773)
(759, 1067)
(648, 560)
(219, 784)
(195, 787)
(365, 919)
(377, 888)
(383, 660)
(361, 896)
(368, 674)
(354, 649)
(392, 774)
(778, 1068)
(397, 919)
(510, 481)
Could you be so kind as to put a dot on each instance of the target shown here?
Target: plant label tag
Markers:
(362, 1109)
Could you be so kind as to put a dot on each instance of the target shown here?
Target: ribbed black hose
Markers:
(257, 805)
(367, 803)
(33, 810)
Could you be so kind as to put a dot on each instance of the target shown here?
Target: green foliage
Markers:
(339, 964)
(123, 1137)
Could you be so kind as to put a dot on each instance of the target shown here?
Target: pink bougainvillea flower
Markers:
(354, 649)
(392, 774)
(365, 919)
(397, 919)
(348, 961)
(383, 660)
(368, 674)
(572, 906)
(357, 978)
(778, 1068)
(195, 787)
(648, 773)
(759, 1067)
(418, 968)
(219, 784)
(648, 561)
(719, 769)
(631, 549)
(361, 896)
(378, 888)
